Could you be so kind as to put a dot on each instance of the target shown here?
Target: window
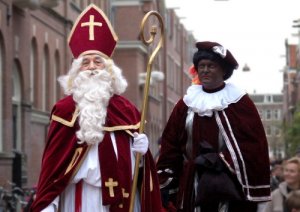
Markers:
(175, 29)
(33, 61)
(169, 71)
(268, 98)
(277, 114)
(268, 114)
(81, 4)
(268, 131)
(168, 23)
(177, 78)
(56, 73)
(45, 80)
(170, 106)
(171, 23)
(76, 2)
(1, 101)
(277, 131)
(172, 74)
(178, 38)
(16, 99)
(186, 49)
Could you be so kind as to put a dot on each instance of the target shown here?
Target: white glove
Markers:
(140, 143)
(50, 208)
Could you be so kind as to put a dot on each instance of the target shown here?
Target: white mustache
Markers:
(92, 72)
(96, 74)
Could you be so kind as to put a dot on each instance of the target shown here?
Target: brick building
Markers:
(34, 52)
(291, 81)
(270, 109)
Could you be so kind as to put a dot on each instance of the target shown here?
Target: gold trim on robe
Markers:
(64, 121)
(71, 123)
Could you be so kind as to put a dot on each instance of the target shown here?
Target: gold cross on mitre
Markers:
(111, 184)
(91, 24)
(89, 32)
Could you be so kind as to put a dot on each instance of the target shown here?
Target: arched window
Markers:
(45, 80)
(56, 73)
(33, 74)
(1, 97)
(16, 100)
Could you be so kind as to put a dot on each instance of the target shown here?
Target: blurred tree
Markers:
(292, 133)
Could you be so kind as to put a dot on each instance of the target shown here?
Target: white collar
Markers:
(205, 103)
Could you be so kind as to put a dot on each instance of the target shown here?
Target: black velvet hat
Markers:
(215, 52)
(220, 50)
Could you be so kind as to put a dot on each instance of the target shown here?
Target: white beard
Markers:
(92, 91)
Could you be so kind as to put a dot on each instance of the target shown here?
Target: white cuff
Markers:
(53, 206)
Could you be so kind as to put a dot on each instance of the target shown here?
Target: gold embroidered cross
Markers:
(91, 24)
(111, 184)
(125, 195)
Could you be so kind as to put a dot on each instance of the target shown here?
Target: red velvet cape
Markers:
(250, 136)
(63, 155)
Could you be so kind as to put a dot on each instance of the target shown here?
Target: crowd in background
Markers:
(285, 185)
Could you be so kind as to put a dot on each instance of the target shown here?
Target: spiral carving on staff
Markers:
(153, 33)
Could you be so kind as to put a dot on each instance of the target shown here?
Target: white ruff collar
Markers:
(205, 103)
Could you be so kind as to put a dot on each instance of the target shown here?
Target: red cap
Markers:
(92, 33)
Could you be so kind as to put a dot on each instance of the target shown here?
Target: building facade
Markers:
(34, 52)
(291, 81)
(270, 109)
(291, 84)
(173, 60)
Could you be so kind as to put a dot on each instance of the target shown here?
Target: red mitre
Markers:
(92, 33)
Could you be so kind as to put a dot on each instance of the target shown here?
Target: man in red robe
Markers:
(89, 158)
